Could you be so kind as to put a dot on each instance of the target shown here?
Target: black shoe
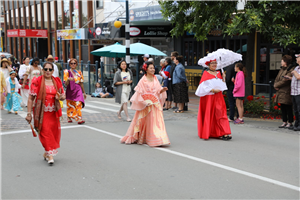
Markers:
(291, 127)
(283, 125)
(165, 109)
(297, 128)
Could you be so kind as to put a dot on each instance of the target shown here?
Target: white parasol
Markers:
(223, 56)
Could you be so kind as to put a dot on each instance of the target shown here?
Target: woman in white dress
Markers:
(123, 82)
(25, 85)
(5, 69)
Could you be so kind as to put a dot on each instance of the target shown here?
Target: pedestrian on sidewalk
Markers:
(107, 91)
(283, 94)
(98, 90)
(212, 114)
(147, 126)
(295, 92)
(179, 81)
(123, 82)
(46, 90)
(174, 54)
(13, 99)
(5, 67)
(239, 91)
(59, 67)
(230, 76)
(167, 68)
(75, 93)
(3, 89)
(25, 85)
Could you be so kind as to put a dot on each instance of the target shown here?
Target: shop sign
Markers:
(71, 34)
(27, 33)
(102, 31)
(147, 31)
(146, 13)
(103, 42)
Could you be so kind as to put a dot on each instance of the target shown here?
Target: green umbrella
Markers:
(138, 49)
(244, 49)
(106, 51)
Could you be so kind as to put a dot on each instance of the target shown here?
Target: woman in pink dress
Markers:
(147, 126)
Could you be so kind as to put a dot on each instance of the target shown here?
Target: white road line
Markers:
(101, 108)
(245, 173)
(109, 104)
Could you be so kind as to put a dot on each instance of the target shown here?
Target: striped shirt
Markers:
(295, 85)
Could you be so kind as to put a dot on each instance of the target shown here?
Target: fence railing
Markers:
(269, 87)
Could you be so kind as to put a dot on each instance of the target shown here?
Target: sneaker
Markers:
(238, 121)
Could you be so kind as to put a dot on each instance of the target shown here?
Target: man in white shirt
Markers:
(51, 59)
(25, 87)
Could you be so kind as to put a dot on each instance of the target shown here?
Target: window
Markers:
(99, 4)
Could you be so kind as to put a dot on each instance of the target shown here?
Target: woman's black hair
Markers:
(50, 63)
(107, 83)
(168, 60)
(119, 65)
(36, 59)
(148, 64)
(25, 58)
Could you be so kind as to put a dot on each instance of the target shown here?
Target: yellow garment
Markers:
(2, 82)
(61, 104)
(78, 76)
(74, 109)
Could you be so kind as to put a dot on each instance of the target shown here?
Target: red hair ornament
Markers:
(208, 62)
(145, 67)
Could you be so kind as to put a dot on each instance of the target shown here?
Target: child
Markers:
(13, 99)
(2, 88)
(98, 90)
(239, 91)
(107, 91)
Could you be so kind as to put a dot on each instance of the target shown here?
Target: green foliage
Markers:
(278, 20)
(255, 106)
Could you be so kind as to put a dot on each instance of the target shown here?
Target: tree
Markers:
(274, 19)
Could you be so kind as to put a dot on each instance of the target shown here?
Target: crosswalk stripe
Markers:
(101, 108)
(109, 104)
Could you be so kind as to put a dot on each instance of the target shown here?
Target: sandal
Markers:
(226, 137)
(178, 111)
(69, 120)
(81, 122)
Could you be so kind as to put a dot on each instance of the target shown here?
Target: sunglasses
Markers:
(73, 63)
(36, 63)
(48, 69)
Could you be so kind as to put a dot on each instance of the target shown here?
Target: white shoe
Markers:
(51, 162)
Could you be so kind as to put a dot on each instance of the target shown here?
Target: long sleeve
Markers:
(238, 83)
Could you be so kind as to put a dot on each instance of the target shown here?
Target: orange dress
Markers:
(147, 126)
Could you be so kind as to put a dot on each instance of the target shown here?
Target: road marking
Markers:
(109, 104)
(101, 108)
(245, 173)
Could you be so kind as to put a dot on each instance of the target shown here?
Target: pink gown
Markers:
(147, 126)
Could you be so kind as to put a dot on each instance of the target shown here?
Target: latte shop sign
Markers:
(147, 31)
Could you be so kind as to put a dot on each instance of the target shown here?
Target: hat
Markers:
(165, 74)
(297, 55)
(146, 56)
(5, 60)
(151, 60)
(208, 62)
(50, 57)
(56, 58)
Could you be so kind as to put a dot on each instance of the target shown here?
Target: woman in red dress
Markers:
(212, 115)
(46, 91)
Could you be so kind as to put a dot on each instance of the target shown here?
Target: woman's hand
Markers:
(70, 79)
(84, 95)
(163, 89)
(28, 118)
(232, 79)
(216, 91)
(58, 96)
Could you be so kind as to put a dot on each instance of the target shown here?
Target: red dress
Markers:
(212, 114)
(51, 131)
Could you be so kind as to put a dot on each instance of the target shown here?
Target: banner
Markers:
(36, 33)
(71, 34)
(147, 31)
(103, 31)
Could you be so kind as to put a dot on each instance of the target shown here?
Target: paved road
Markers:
(260, 162)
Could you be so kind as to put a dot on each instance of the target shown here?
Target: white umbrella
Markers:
(223, 56)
